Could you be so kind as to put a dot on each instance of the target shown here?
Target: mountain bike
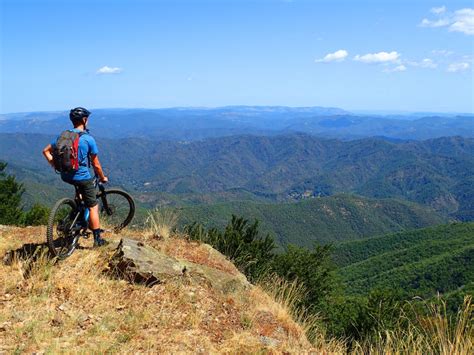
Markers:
(69, 218)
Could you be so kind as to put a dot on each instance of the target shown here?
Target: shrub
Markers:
(37, 215)
(241, 242)
(10, 198)
(313, 268)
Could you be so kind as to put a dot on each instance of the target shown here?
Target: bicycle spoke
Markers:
(61, 235)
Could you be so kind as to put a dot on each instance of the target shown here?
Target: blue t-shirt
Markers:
(87, 147)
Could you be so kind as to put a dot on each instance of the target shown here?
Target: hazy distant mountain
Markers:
(438, 172)
(200, 123)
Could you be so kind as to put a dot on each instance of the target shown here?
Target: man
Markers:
(87, 155)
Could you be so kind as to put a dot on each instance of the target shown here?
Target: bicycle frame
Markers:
(81, 208)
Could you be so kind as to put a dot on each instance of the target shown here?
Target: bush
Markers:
(36, 216)
(10, 198)
(11, 211)
(241, 242)
(312, 268)
(360, 318)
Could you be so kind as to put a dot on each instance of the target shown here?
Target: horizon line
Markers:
(348, 111)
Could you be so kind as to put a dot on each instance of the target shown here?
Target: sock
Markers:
(96, 233)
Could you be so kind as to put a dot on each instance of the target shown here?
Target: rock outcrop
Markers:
(140, 263)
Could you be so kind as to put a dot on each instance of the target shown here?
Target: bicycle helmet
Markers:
(78, 113)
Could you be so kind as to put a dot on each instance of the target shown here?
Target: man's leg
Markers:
(88, 192)
(94, 222)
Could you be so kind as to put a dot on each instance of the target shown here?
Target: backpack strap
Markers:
(88, 156)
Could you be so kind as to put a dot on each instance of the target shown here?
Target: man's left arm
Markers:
(48, 154)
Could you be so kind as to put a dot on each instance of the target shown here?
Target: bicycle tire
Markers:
(69, 241)
(122, 221)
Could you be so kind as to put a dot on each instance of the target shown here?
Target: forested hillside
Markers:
(438, 173)
(416, 263)
(322, 220)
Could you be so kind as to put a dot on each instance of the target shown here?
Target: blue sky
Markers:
(357, 55)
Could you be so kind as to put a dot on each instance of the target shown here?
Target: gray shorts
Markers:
(87, 190)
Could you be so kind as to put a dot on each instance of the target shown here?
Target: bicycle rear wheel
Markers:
(117, 209)
(61, 237)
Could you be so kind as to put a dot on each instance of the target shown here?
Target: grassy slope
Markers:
(323, 220)
(74, 307)
(421, 262)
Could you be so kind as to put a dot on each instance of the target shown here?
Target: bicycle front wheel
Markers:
(117, 209)
(61, 236)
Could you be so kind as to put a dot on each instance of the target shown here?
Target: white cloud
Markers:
(428, 63)
(337, 56)
(109, 70)
(463, 21)
(398, 68)
(425, 63)
(442, 52)
(438, 10)
(380, 57)
(457, 67)
(435, 23)
(458, 21)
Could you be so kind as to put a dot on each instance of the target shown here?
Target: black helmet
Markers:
(78, 114)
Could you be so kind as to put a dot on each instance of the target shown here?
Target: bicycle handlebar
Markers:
(98, 183)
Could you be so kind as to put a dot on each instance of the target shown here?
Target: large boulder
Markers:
(140, 263)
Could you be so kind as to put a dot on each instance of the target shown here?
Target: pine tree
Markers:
(10, 198)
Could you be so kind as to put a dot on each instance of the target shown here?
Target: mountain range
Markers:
(199, 123)
(438, 173)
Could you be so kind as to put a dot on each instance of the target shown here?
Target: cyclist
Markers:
(87, 155)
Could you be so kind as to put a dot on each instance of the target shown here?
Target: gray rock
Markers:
(268, 341)
(140, 263)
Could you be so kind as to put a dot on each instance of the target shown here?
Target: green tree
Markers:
(362, 317)
(37, 215)
(10, 198)
(312, 268)
(241, 242)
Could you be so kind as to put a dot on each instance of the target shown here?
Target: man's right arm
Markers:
(98, 168)
(94, 159)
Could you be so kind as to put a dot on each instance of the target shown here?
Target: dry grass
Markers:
(434, 333)
(72, 306)
(286, 296)
(161, 222)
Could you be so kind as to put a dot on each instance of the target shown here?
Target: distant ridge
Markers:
(196, 123)
(242, 108)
